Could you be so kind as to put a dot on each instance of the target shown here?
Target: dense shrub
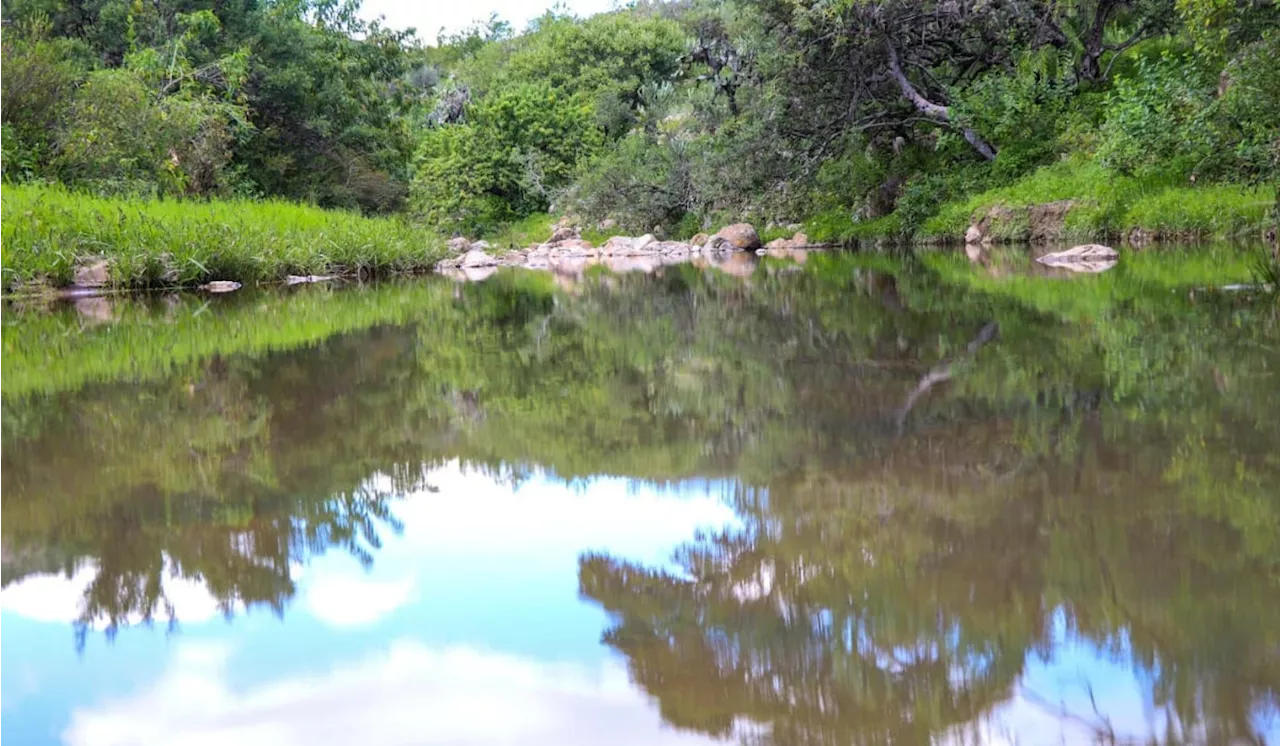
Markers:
(516, 150)
(119, 137)
(1160, 119)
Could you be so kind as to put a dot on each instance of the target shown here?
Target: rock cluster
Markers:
(567, 244)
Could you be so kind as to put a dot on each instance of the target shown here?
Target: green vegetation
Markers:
(1159, 116)
(47, 231)
(778, 113)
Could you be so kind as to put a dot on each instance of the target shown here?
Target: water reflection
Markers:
(400, 498)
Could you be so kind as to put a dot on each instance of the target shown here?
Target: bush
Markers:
(641, 183)
(1023, 112)
(1160, 119)
(516, 151)
(120, 139)
(39, 77)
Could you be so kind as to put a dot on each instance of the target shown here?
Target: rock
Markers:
(574, 247)
(481, 245)
(742, 236)
(642, 242)
(700, 239)
(1047, 222)
(563, 233)
(1139, 238)
(220, 286)
(794, 227)
(459, 245)
(607, 224)
(304, 279)
(718, 244)
(617, 246)
(798, 241)
(1085, 258)
(974, 235)
(670, 247)
(94, 274)
(477, 258)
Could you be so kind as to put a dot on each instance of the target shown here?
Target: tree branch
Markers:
(936, 111)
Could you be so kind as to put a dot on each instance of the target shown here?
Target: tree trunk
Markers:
(934, 111)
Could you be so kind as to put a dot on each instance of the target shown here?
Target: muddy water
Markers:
(854, 500)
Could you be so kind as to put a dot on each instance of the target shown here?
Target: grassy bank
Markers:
(48, 230)
(1103, 206)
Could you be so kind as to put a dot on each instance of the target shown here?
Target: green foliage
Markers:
(39, 77)
(1157, 120)
(1106, 204)
(1024, 112)
(118, 138)
(47, 230)
(639, 182)
(517, 150)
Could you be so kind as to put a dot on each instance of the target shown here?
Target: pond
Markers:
(857, 499)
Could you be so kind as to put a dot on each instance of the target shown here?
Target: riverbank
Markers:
(1075, 200)
(49, 233)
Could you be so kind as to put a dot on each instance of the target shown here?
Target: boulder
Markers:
(607, 224)
(699, 239)
(741, 236)
(798, 241)
(641, 243)
(617, 246)
(718, 244)
(477, 258)
(574, 247)
(93, 274)
(459, 245)
(974, 235)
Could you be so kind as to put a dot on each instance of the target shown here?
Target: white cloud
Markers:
(346, 600)
(407, 694)
(429, 17)
(57, 598)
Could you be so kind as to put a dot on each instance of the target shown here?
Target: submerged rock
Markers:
(1084, 258)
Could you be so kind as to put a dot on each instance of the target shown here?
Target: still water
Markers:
(847, 500)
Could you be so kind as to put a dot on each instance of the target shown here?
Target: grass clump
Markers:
(1105, 204)
(48, 230)
(1224, 211)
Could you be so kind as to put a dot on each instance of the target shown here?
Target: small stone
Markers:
(220, 286)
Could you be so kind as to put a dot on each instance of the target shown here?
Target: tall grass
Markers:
(1110, 204)
(47, 230)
